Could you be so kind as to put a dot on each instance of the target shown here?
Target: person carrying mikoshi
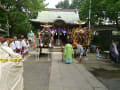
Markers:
(11, 69)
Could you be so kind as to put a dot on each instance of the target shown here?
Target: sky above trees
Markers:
(52, 3)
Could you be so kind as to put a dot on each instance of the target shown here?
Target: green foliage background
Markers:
(18, 14)
(101, 9)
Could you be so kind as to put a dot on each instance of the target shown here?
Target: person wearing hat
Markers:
(80, 50)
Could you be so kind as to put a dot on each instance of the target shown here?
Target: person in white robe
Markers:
(23, 47)
(11, 69)
(16, 45)
(5, 44)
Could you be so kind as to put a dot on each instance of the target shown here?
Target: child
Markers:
(98, 53)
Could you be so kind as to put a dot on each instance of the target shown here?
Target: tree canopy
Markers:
(18, 14)
(63, 4)
(100, 10)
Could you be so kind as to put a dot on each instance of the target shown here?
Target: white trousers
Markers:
(11, 76)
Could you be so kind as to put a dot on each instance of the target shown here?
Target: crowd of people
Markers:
(69, 52)
(20, 46)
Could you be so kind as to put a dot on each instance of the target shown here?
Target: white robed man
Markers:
(16, 45)
(11, 69)
(24, 46)
(4, 42)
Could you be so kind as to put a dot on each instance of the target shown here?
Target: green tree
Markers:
(113, 11)
(60, 4)
(101, 9)
(97, 8)
(75, 4)
(63, 4)
(20, 11)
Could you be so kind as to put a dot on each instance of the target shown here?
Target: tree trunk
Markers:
(117, 25)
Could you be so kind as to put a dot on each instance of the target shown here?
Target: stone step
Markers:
(56, 49)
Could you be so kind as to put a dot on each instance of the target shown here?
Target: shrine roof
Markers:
(51, 15)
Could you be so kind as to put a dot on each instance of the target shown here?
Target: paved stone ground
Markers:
(108, 73)
(42, 75)
(71, 76)
(93, 62)
(36, 73)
